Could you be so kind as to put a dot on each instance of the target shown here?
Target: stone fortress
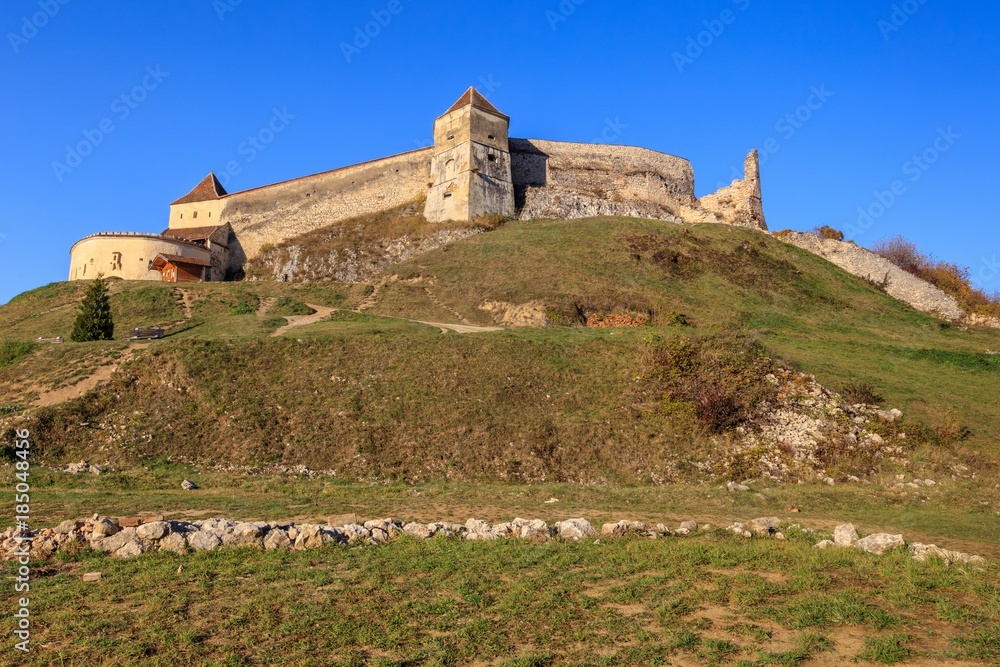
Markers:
(474, 170)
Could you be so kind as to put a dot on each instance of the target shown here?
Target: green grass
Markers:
(447, 601)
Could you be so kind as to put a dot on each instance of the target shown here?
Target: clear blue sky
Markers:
(920, 80)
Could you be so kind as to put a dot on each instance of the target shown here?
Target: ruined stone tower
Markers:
(470, 167)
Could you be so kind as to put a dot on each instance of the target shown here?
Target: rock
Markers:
(96, 470)
(91, 576)
(277, 540)
(130, 549)
(114, 542)
(845, 535)
(825, 544)
(420, 531)
(354, 533)
(575, 529)
(243, 534)
(921, 552)
(103, 528)
(896, 413)
(880, 543)
(129, 521)
(77, 468)
(687, 527)
(792, 508)
(67, 527)
(764, 526)
(479, 530)
(379, 536)
(153, 531)
(204, 540)
(188, 485)
(551, 501)
(174, 542)
(733, 487)
(535, 530)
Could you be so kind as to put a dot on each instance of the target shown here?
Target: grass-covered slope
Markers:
(383, 396)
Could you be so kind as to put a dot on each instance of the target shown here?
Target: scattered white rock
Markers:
(825, 544)
(845, 535)
(575, 529)
(188, 485)
(880, 543)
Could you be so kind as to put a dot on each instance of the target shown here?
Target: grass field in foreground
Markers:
(701, 600)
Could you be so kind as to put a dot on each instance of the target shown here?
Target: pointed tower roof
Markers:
(473, 97)
(207, 190)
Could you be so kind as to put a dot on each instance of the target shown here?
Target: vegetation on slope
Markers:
(360, 248)
(952, 278)
(382, 397)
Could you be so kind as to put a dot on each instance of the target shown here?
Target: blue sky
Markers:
(886, 106)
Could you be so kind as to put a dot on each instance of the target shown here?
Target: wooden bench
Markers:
(57, 339)
(146, 334)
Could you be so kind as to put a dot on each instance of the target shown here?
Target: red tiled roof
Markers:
(191, 233)
(179, 259)
(208, 190)
(474, 98)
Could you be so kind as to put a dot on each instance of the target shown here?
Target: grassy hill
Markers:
(380, 395)
(610, 422)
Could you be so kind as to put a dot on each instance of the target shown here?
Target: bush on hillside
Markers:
(94, 320)
(859, 391)
(828, 232)
(953, 279)
(721, 380)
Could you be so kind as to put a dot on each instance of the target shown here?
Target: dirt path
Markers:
(458, 328)
(266, 305)
(100, 374)
(372, 298)
(302, 320)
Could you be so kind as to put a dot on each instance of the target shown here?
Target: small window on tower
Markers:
(182, 216)
(195, 214)
(492, 137)
(492, 158)
(447, 194)
(450, 137)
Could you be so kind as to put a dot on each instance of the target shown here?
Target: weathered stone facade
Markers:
(473, 170)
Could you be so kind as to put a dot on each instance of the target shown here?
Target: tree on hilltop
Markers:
(93, 318)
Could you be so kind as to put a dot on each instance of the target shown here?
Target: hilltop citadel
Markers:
(473, 171)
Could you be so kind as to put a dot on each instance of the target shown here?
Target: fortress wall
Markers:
(125, 256)
(600, 170)
(273, 213)
(866, 264)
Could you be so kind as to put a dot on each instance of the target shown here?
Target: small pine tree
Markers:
(93, 319)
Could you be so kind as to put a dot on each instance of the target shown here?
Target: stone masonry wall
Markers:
(555, 179)
(865, 264)
(273, 213)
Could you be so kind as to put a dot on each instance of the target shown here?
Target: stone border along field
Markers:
(130, 537)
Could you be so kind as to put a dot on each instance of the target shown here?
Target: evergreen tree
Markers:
(93, 319)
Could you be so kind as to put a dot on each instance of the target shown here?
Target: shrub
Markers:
(721, 380)
(861, 391)
(94, 320)
(828, 232)
(953, 279)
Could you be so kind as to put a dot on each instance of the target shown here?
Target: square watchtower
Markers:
(470, 168)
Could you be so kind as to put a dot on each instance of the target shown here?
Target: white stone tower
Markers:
(470, 168)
